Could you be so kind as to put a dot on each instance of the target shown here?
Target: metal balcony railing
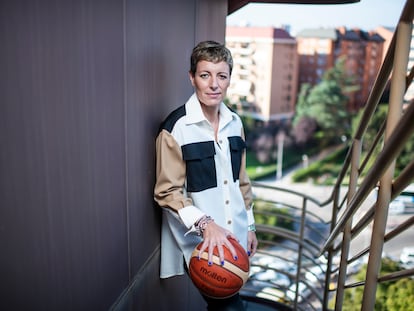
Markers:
(309, 266)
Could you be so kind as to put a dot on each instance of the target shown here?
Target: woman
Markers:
(201, 181)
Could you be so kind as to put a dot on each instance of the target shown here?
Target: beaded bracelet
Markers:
(202, 224)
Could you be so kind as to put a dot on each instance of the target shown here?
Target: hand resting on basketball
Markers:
(216, 236)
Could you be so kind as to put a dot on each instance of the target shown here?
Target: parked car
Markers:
(407, 257)
(396, 207)
(273, 277)
(407, 196)
(304, 292)
(271, 293)
(404, 201)
(355, 266)
(262, 289)
(316, 274)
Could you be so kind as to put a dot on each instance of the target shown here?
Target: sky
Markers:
(366, 15)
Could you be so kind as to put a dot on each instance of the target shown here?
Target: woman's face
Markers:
(211, 81)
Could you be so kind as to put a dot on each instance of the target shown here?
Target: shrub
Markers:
(267, 213)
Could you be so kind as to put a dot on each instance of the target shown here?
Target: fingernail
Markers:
(222, 262)
(235, 257)
(248, 253)
(210, 263)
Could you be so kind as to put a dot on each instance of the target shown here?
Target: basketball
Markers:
(219, 281)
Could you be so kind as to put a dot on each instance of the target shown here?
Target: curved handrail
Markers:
(370, 171)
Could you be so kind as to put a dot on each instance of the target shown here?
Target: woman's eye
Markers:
(204, 76)
(223, 77)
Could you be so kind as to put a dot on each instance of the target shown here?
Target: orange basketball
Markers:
(219, 281)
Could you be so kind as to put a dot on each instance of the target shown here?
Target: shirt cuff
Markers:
(250, 216)
(189, 215)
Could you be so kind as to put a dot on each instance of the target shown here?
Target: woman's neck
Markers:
(212, 114)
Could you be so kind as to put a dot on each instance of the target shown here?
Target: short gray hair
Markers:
(210, 51)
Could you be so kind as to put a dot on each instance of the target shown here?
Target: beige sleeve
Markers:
(170, 173)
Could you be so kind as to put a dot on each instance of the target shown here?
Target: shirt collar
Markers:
(194, 114)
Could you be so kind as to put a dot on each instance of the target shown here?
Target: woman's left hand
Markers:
(251, 243)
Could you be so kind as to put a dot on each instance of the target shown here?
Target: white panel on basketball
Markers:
(244, 275)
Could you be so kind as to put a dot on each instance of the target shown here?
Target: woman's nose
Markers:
(213, 83)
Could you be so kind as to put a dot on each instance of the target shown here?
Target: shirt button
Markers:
(227, 202)
(229, 222)
(220, 141)
(225, 182)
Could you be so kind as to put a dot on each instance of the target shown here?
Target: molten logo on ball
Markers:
(213, 275)
(219, 281)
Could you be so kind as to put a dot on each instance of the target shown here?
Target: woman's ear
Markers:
(191, 76)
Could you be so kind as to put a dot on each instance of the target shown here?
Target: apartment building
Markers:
(319, 49)
(387, 33)
(265, 73)
(316, 49)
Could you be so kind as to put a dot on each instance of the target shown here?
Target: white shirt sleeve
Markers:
(250, 216)
(189, 215)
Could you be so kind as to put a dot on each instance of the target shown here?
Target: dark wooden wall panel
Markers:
(157, 81)
(84, 85)
(63, 241)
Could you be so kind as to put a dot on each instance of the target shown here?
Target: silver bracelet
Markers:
(202, 223)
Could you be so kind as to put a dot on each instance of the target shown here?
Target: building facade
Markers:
(386, 33)
(265, 73)
(316, 49)
(319, 49)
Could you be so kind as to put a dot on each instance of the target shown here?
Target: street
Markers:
(392, 248)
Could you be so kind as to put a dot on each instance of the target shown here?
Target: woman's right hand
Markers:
(216, 236)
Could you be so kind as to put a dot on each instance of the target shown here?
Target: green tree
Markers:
(390, 296)
(374, 126)
(267, 213)
(400, 296)
(406, 156)
(329, 108)
(302, 107)
(347, 82)
(326, 103)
